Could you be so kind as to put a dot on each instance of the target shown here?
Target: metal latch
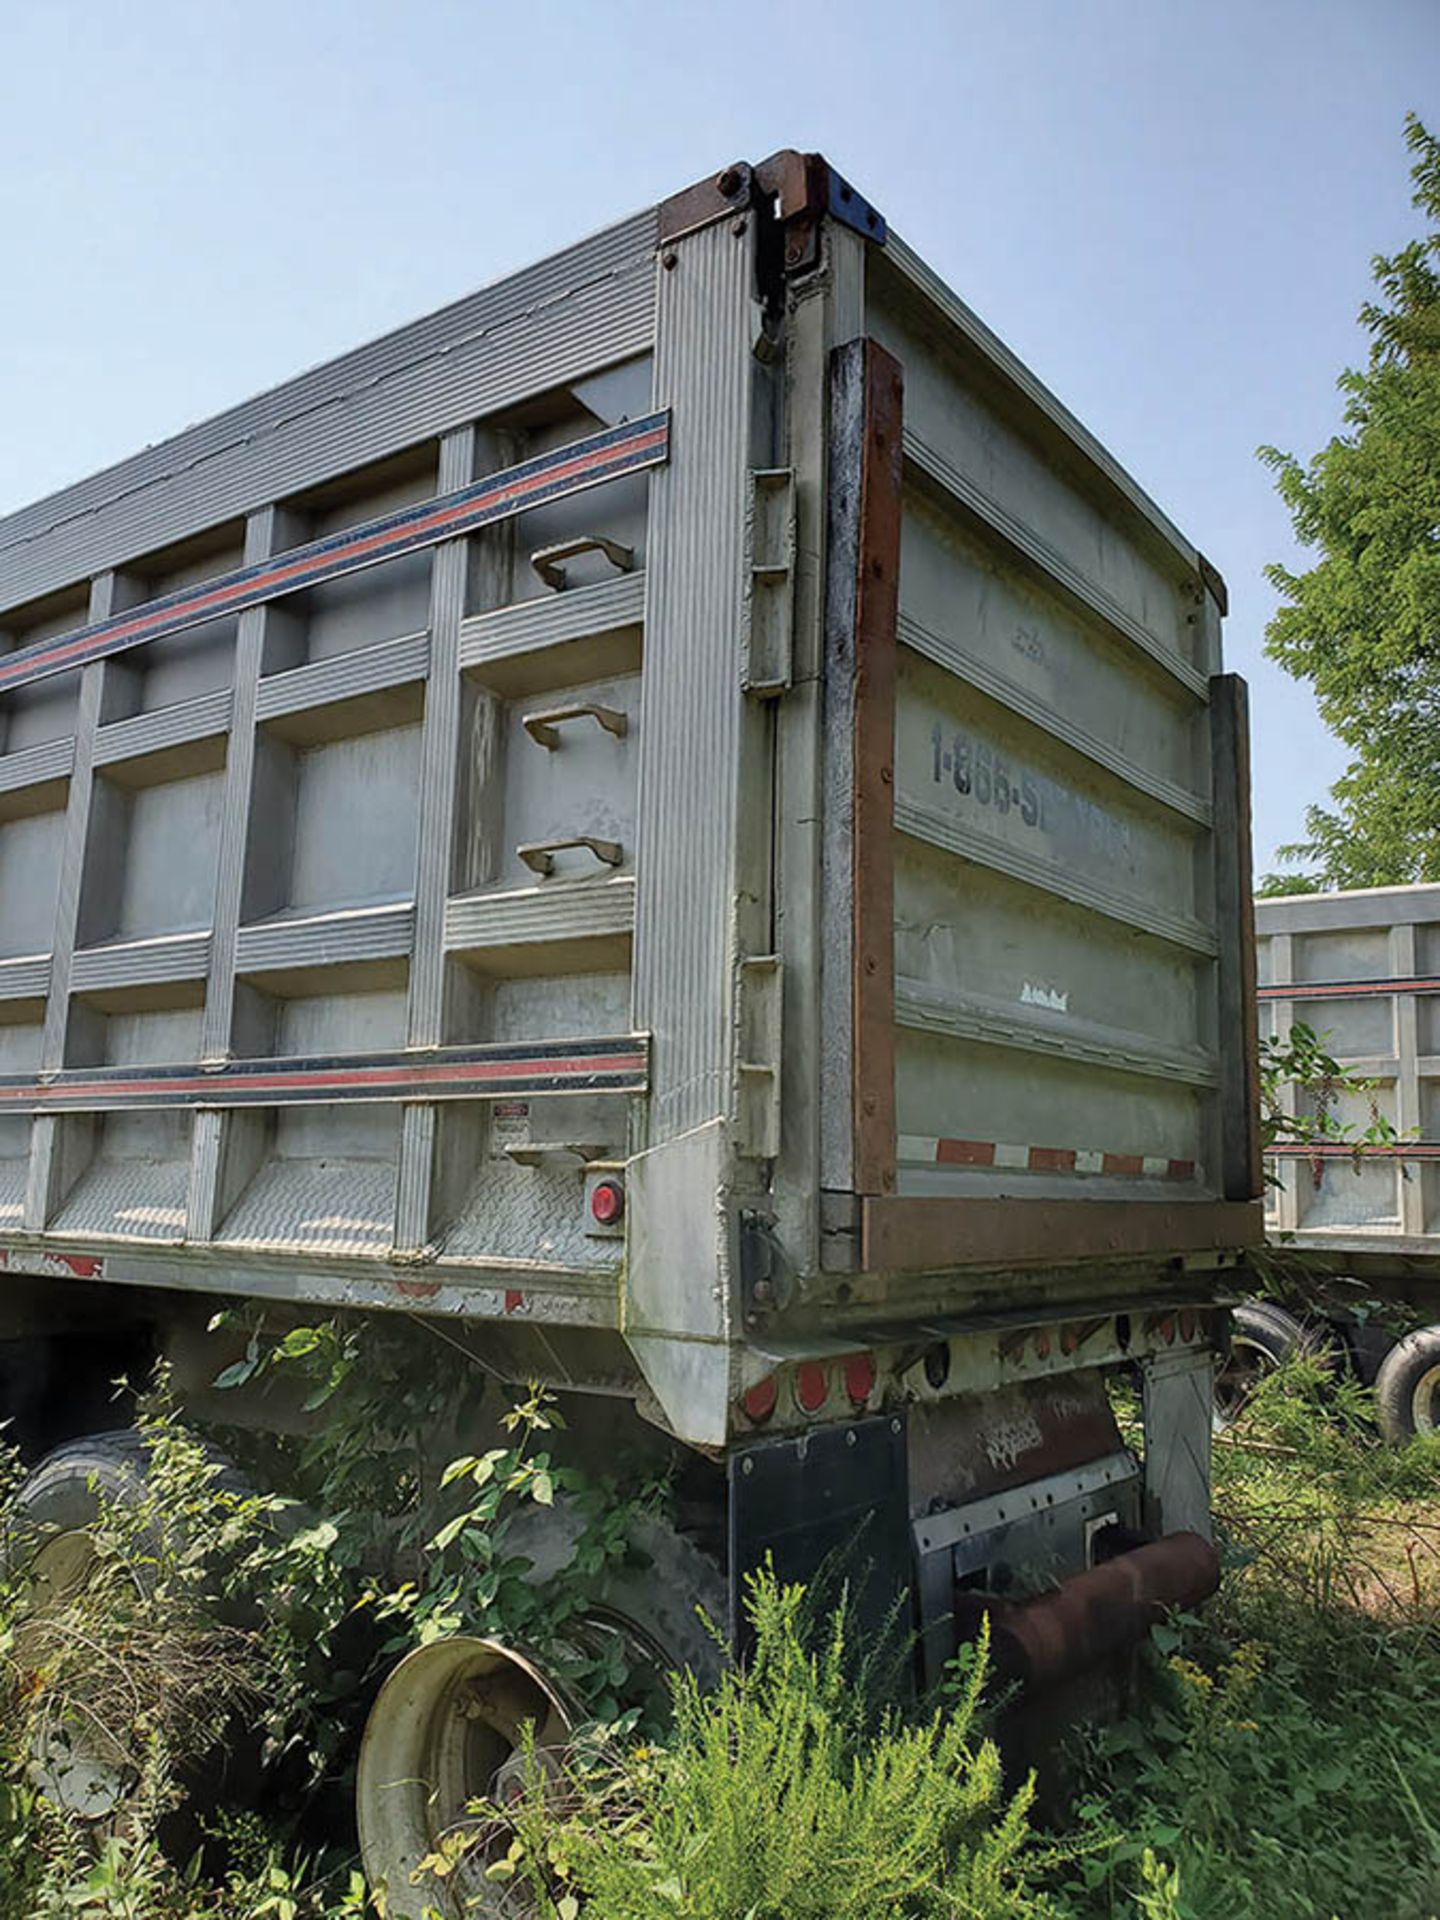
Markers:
(544, 727)
(769, 590)
(539, 855)
(546, 561)
(757, 1057)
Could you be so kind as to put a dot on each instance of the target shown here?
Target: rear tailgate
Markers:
(1070, 837)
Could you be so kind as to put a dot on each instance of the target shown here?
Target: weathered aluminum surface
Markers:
(690, 785)
(1363, 969)
(1179, 1405)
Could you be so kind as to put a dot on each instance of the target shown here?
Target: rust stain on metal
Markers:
(1101, 1612)
(934, 1235)
(877, 585)
(1229, 689)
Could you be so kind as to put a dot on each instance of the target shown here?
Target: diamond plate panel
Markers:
(12, 1191)
(528, 1213)
(329, 1206)
(140, 1199)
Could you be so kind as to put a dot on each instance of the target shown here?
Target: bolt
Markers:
(729, 182)
(738, 227)
(887, 774)
(895, 1426)
(747, 1466)
(669, 261)
(850, 1438)
(763, 1291)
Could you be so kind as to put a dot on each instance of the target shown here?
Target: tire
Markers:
(64, 1492)
(1262, 1338)
(668, 1596)
(1407, 1388)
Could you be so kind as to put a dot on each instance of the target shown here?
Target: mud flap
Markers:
(829, 1510)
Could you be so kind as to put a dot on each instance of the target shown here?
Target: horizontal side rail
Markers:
(164, 730)
(531, 626)
(1346, 989)
(347, 676)
(933, 291)
(610, 1065)
(550, 476)
(157, 960)
(37, 766)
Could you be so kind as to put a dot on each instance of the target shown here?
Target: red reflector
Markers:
(811, 1386)
(1167, 1330)
(860, 1377)
(1042, 1345)
(759, 1402)
(607, 1201)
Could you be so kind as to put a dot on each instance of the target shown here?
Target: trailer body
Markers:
(1361, 968)
(681, 813)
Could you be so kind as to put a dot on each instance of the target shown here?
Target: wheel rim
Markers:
(1425, 1401)
(445, 1730)
(1236, 1381)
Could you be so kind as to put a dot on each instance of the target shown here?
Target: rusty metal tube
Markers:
(1057, 1635)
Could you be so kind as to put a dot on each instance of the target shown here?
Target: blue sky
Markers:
(1167, 207)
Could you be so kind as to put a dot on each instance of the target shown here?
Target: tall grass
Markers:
(1287, 1765)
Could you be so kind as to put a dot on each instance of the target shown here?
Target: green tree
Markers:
(1363, 623)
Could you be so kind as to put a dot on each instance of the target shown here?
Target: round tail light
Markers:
(607, 1202)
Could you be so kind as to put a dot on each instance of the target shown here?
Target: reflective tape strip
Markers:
(923, 1149)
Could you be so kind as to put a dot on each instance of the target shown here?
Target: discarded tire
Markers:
(1407, 1387)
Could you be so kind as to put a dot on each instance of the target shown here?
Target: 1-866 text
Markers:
(983, 776)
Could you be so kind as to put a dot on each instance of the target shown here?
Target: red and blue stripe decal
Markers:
(1348, 989)
(550, 476)
(612, 1065)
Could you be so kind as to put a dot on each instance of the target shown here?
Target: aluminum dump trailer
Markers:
(680, 812)
(1363, 969)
